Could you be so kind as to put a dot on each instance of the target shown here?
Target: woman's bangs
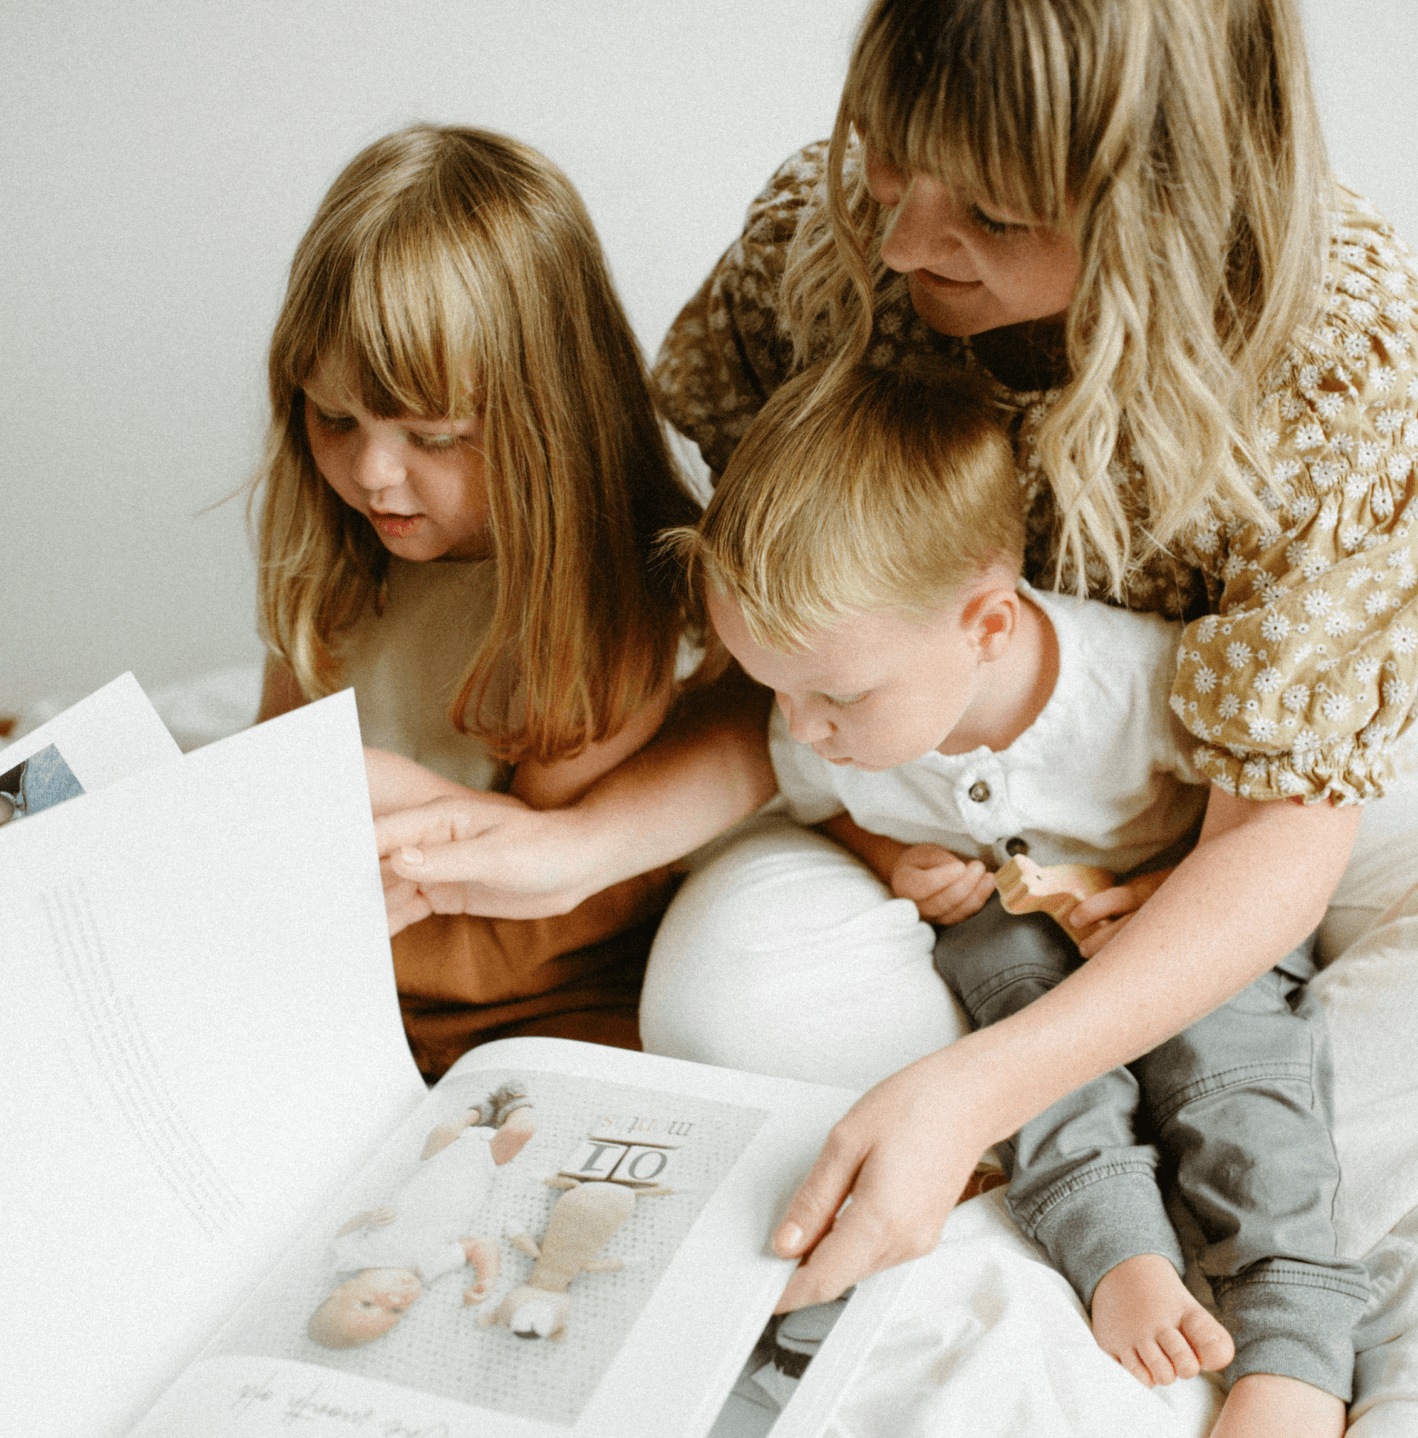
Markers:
(949, 111)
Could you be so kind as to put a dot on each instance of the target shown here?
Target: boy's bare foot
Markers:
(1144, 1316)
(1265, 1405)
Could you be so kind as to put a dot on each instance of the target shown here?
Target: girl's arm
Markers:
(280, 693)
(552, 786)
(1254, 887)
(707, 768)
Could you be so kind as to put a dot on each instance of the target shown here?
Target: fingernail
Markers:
(411, 856)
(789, 1239)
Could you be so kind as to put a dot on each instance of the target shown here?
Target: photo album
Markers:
(235, 1208)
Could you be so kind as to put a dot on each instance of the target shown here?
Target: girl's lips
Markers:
(396, 526)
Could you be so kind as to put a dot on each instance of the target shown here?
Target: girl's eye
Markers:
(335, 423)
(435, 441)
(992, 226)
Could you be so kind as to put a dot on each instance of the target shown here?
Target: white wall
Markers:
(160, 160)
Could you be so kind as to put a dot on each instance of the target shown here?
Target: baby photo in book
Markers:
(501, 1254)
(39, 782)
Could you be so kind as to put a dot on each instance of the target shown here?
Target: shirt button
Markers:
(979, 791)
(1016, 846)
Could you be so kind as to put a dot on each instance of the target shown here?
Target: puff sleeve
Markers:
(1304, 676)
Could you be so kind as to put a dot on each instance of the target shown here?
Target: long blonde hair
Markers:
(1178, 141)
(452, 272)
(866, 489)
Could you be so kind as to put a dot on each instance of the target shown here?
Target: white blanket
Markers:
(990, 1340)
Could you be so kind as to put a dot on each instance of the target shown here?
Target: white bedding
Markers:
(989, 1340)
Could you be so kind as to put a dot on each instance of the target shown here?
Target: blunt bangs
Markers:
(974, 93)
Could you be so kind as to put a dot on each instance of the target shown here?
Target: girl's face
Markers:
(970, 269)
(421, 483)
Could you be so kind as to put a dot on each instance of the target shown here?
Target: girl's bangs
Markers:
(392, 329)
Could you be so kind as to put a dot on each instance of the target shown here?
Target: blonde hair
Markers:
(1177, 140)
(876, 488)
(449, 273)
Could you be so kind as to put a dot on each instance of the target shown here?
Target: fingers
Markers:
(1094, 942)
(819, 1196)
(1120, 899)
(958, 900)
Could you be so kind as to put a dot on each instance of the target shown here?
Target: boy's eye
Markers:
(844, 701)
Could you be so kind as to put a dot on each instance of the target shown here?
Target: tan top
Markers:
(1300, 661)
(407, 665)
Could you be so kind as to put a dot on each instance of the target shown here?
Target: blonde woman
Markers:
(461, 489)
(1121, 216)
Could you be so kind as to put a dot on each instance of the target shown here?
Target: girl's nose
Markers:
(377, 466)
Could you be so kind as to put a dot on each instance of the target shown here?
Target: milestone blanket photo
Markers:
(706, 719)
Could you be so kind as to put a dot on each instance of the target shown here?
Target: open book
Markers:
(232, 1206)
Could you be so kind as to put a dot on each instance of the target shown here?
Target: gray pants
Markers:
(1235, 1108)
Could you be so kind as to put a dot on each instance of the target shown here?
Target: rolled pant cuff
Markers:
(1292, 1323)
(1100, 1218)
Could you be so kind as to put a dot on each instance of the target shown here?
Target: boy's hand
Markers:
(1096, 920)
(944, 887)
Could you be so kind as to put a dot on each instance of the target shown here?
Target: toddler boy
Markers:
(861, 557)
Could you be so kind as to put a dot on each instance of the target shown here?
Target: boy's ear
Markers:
(992, 615)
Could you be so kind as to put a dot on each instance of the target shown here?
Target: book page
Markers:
(674, 1173)
(111, 735)
(201, 1042)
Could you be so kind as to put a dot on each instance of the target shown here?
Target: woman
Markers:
(1204, 349)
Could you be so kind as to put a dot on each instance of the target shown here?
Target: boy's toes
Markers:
(1158, 1364)
(1185, 1362)
(1131, 1361)
(1210, 1341)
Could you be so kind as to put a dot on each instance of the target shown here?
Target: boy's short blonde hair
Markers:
(881, 488)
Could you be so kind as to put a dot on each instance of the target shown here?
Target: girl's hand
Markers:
(1096, 920)
(902, 1153)
(945, 887)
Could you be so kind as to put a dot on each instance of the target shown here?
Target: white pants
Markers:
(783, 954)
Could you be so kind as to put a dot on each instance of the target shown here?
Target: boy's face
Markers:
(876, 690)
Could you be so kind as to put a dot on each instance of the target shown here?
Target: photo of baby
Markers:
(40, 782)
(501, 1254)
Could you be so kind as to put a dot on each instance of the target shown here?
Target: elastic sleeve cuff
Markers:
(1344, 772)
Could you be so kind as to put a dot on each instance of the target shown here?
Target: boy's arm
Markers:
(876, 851)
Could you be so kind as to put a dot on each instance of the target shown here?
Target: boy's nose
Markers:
(804, 725)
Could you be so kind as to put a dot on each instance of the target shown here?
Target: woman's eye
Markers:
(435, 441)
(992, 226)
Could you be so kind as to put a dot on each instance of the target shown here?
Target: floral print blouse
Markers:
(1299, 663)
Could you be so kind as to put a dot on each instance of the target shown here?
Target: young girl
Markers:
(1121, 216)
(462, 483)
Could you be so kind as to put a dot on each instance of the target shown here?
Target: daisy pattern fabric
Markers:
(1299, 664)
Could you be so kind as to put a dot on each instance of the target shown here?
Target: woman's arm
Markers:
(707, 768)
(1254, 887)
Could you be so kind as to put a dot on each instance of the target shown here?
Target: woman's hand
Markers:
(484, 854)
(945, 888)
(903, 1153)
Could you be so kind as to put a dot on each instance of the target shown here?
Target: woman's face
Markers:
(970, 269)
